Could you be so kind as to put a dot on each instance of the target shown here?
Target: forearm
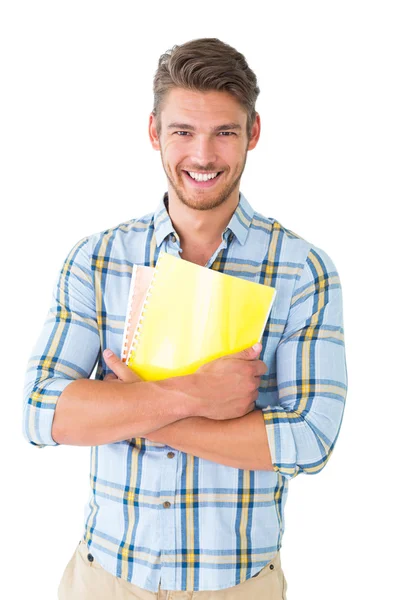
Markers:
(240, 443)
(91, 412)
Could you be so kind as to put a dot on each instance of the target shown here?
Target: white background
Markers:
(76, 95)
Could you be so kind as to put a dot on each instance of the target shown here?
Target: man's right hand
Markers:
(227, 387)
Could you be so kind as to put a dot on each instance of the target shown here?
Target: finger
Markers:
(260, 368)
(246, 354)
(121, 370)
(110, 376)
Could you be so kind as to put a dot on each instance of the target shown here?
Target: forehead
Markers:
(211, 106)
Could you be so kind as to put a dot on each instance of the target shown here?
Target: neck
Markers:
(200, 227)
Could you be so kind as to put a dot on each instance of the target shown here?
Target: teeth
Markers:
(201, 176)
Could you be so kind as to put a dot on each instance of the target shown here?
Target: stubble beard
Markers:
(199, 200)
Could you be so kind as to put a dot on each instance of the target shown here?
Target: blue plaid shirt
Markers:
(158, 514)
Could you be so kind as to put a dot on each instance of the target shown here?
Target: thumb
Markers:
(249, 353)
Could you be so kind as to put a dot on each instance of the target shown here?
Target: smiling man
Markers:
(189, 475)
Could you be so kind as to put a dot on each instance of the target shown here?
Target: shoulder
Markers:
(296, 256)
(101, 242)
(283, 243)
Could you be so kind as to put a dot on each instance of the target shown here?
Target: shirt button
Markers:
(271, 567)
(171, 454)
(173, 238)
(90, 558)
(167, 504)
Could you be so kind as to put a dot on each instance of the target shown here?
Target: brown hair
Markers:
(202, 65)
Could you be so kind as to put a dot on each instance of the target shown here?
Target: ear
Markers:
(153, 132)
(255, 133)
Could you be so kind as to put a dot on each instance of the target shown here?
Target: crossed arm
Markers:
(240, 443)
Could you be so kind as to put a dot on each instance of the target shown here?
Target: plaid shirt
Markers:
(158, 513)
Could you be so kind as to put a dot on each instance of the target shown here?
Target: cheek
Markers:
(172, 148)
(173, 156)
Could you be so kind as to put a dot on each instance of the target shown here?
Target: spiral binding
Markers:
(137, 333)
(129, 312)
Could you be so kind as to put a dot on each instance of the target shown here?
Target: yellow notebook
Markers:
(182, 315)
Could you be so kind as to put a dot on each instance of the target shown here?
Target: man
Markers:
(190, 474)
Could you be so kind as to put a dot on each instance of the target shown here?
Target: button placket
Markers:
(167, 520)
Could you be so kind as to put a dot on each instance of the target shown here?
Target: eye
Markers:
(224, 132)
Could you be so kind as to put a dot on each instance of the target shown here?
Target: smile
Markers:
(202, 184)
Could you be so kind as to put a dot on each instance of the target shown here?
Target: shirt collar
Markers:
(239, 224)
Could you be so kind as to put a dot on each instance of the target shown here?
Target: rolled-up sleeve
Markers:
(67, 348)
(311, 373)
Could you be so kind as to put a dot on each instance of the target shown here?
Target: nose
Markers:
(204, 150)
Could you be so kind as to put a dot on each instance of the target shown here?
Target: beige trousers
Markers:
(85, 579)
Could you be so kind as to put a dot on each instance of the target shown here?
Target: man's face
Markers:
(190, 143)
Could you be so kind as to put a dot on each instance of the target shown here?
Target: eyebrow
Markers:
(214, 129)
